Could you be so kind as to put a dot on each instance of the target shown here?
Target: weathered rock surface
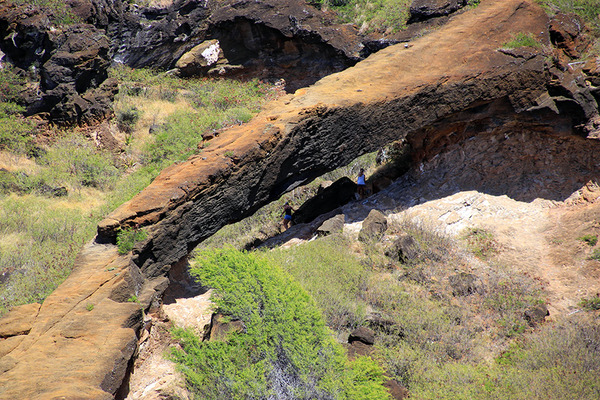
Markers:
(68, 66)
(337, 194)
(440, 93)
(425, 9)
(373, 227)
(332, 225)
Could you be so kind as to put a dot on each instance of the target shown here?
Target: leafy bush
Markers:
(127, 118)
(284, 352)
(127, 238)
(16, 132)
(331, 275)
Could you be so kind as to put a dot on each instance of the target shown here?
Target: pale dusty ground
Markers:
(154, 377)
(538, 238)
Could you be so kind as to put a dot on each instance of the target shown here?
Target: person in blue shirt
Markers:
(361, 186)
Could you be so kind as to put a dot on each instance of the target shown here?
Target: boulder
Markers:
(465, 284)
(221, 326)
(19, 320)
(373, 227)
(332, 225)
(337, 194)
(421, 10)
(362, 334)
(200, 58)
(404, 249)
(536, 315)
(567, 34)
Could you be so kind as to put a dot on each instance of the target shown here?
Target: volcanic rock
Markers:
(373, 227)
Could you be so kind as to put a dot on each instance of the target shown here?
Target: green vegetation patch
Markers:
(58, 11)
(522, 40)
(587, 9)
(334, 278)
(285, 351)
(591, 304)
(38, 246)
(589, 239)
(481, 243)
(127, 238)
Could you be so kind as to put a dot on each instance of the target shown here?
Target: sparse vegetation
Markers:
(89, 306)
(592, 303)
(522, 39)
(58, 11)
(95, 182)
(481, 242)
(587, 9)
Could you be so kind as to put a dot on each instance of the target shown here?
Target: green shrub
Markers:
(331, 275)
(595, 255)
(127, 118)
(127, 238)
(16, 132)
(284, 352)
(589, 238)
(592, 304)
(522, 40)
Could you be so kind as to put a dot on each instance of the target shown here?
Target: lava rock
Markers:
(332, 225)
(536, 315)
(421, 10)
(373, 227)
(363, 335)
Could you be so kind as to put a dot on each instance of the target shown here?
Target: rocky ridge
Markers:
(446, 89)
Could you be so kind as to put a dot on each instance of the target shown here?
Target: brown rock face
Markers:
(440, 92)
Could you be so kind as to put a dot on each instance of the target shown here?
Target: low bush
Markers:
(127, 238)
(285, 351)
(591, 304)
(16, 132)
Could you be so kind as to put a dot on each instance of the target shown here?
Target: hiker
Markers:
(287, 215)
(361, 186)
